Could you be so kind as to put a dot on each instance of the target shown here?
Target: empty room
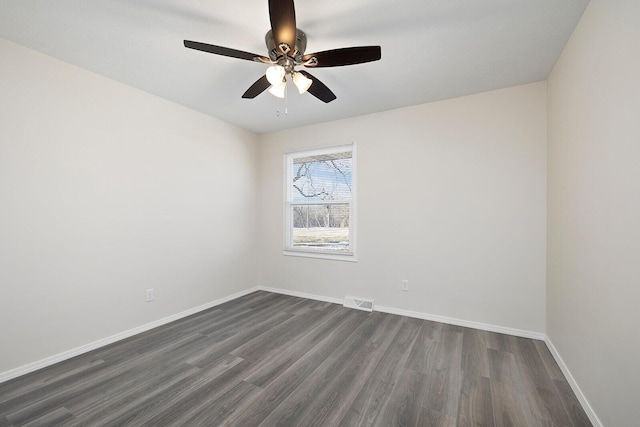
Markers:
(356, 213)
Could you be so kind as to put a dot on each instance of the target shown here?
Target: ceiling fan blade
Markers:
(318, 89)
(345, 56)
(224, 51)
(283, 23)
(257, 88)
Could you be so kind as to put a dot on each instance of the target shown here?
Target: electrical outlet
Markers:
(405, 285)
(150, 295)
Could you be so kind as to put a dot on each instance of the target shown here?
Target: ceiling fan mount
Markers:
(286, 46)
(276, 52)
(286, 57)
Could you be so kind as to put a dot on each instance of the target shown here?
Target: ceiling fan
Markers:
(286, 45)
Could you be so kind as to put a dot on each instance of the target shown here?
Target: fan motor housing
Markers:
(298, 49)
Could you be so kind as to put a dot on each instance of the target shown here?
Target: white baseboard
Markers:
(417, 315)
(301, 295)
(464, 323)
(574, 385)
(31, 367)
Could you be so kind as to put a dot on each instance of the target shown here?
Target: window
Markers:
(320, 209)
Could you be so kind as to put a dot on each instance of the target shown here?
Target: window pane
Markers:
(322, 177)
(321, 227)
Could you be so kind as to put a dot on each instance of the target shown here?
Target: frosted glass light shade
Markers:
(302, 82)
(278, 90)
(275, 74)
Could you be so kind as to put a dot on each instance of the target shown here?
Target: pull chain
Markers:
(285, 100)
(277, 100)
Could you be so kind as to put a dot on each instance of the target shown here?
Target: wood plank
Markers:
(553, 370)
(510, 406)
(540, 389)
(375, 393)
(193, 399)
(278, 360)
(314, 368)
(576, 413)
(475, 404)
(404, 407)
(329, 394)
(131, 399)
(475, 360)
(56, 417)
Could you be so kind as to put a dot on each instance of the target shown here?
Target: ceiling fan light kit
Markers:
(286, 46)
(275, 74)
(279, 89)
(302, 82)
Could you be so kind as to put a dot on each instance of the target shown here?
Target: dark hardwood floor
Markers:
(274, 360)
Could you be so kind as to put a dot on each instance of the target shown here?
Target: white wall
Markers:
(593, 291)
(106, 191)
(451, 196)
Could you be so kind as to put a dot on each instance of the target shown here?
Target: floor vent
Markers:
(358, 303)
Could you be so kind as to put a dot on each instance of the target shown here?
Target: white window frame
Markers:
(289, 249)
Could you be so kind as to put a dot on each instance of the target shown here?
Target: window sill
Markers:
(348, 257)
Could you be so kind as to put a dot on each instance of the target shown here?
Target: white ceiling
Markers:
(431, 49)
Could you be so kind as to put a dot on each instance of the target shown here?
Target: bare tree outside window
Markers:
(320, 198)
